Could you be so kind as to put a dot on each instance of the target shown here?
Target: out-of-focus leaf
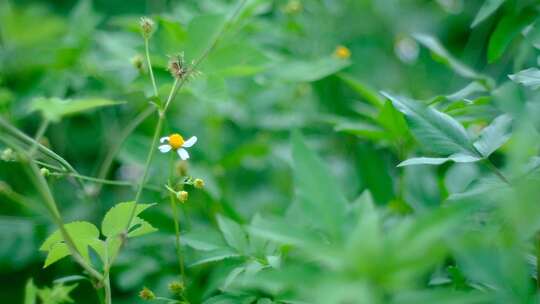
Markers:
(507, 29)
(233, 233)
(326, 205)
(237, 59)
(494, 135)
(116, 220)
(58, 294)
(457, 157)
(202, 32)
(30, 292)
(308, 71)
(204, 240)
(529, 78)
(374, 174)
(437, 130)
(54, 109)
(363, 90)
(436, 48)
(487, 9)
(214, 256)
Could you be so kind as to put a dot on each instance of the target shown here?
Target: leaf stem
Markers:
(496, 170)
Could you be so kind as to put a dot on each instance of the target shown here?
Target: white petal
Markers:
(164, 139)
(183, 154)
(165, 148)
(190, 142)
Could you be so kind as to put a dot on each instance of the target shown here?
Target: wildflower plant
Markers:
(349, 152)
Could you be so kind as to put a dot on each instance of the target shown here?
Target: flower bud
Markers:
(182, 196)
(342, 52)
(137, 62)
(8, 155)
(147, 294)
(44, 172)
(198, 183)
(176, 287)
(182, 168)
(293, 7)
(147, 27)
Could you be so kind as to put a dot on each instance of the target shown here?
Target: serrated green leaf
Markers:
(233, 233)
(507, 29)
(54, 109)
(529, 78)
(487, 9)
(117, 218)
(82, 234)
(324, 205)
(437, 130)
(494, 135)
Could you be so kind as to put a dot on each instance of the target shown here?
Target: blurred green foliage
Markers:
(352, 151)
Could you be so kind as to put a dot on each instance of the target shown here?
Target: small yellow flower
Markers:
(176, 142)
(198, 183)
(147, 294)
(342, 52)
(182, 196)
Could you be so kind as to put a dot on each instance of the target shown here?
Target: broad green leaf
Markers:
(82, 234)
(437, 49)
(231, 277)
(30, 292)
(117, 218)
(54, 109)
(487, 9)
(361, 129)
(283, 232)
(394, 122)
(507, 29)
(324, 205)
(532, 34)
(214, 256)
(233, 233)
(308, 71)
(436, 130)
(494, 135)
(458, 158)
(529, 78)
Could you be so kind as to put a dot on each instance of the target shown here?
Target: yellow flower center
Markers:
(342, 52)
(176, 140)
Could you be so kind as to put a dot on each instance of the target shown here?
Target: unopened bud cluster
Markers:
(182, 196)
(147, 27)
(176, 287)
(147, 294)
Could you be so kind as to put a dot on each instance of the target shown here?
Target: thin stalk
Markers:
(105, 181)
(39, 134)
(176, 220)
(119, 140)
(149, 65)
(30, 141)
(107, 287)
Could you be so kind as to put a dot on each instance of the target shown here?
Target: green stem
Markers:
(149, 64)
(105, 181)
(39, 134)
(497, 172)
(176, 220)
(107, 287)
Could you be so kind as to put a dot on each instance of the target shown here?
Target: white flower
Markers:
(176, 142)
